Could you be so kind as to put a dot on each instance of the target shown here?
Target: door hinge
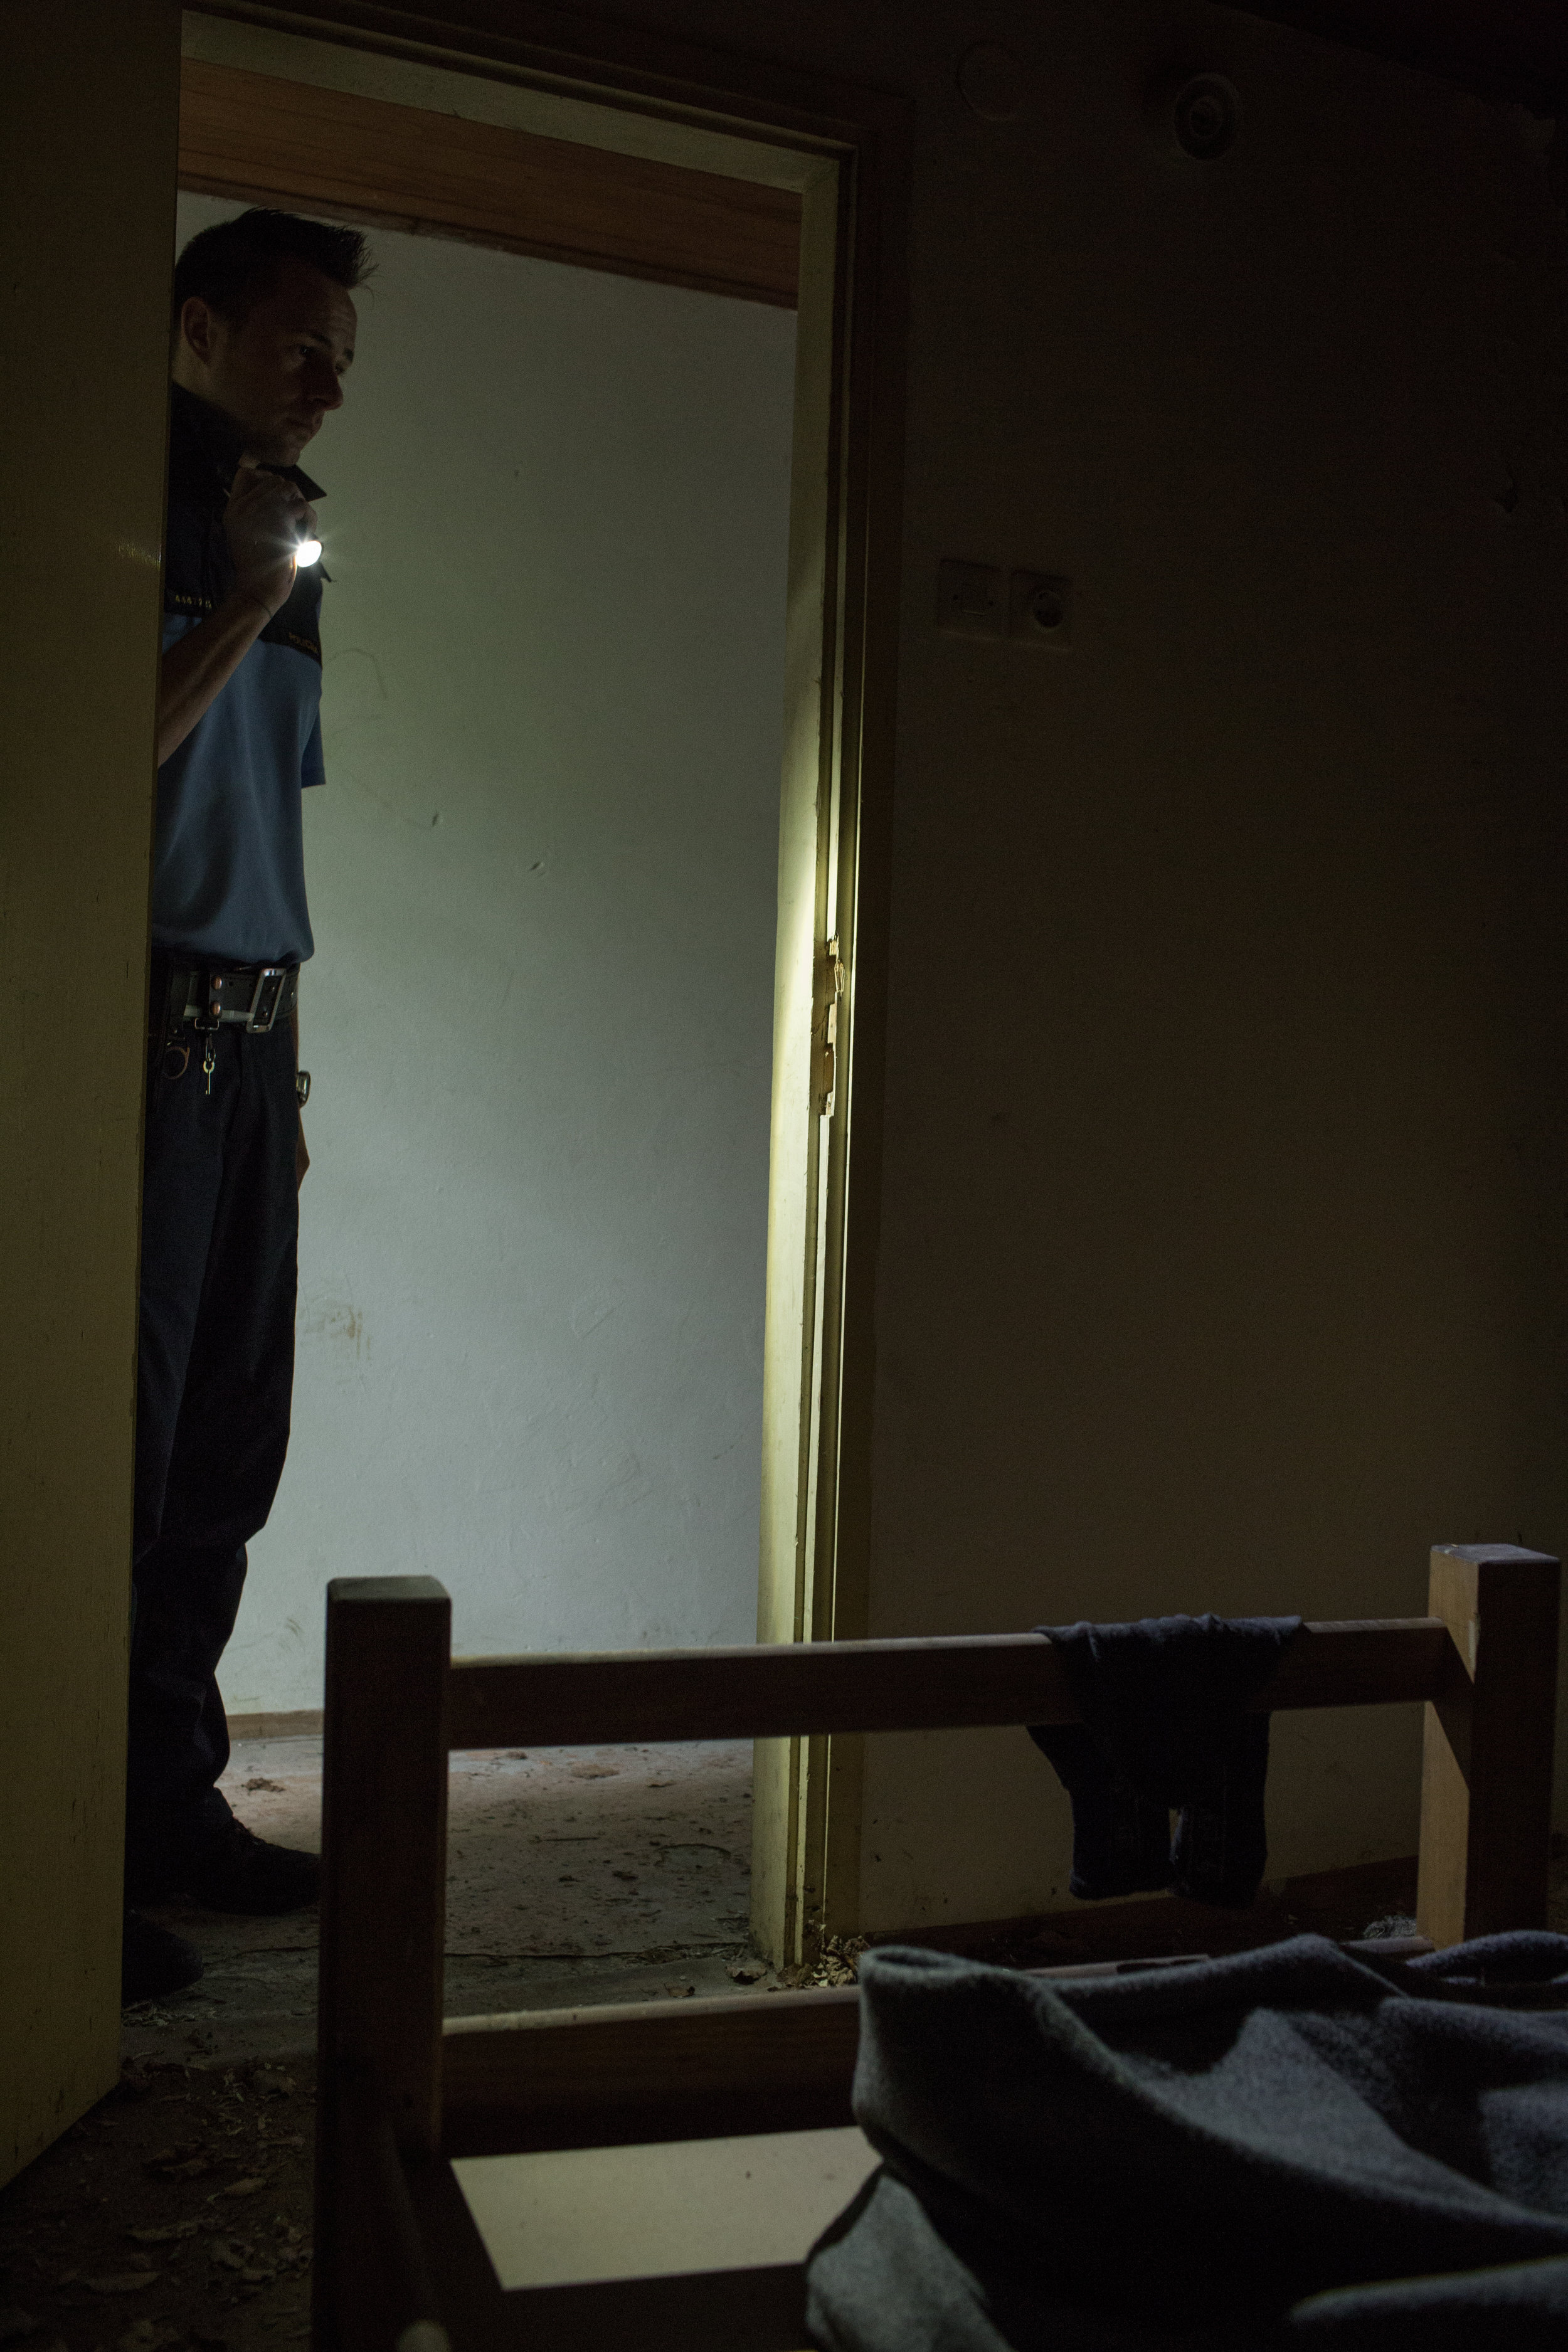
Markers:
(829, 995)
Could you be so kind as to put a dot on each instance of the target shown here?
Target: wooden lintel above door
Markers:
(263, 141)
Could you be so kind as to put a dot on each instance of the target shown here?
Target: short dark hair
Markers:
(232, 266)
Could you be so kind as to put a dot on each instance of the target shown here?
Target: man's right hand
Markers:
(265, 519)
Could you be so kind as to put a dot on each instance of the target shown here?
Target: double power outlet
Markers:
(981, 600)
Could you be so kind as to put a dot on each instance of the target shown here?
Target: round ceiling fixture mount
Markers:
(1205, 116)
(993, 83)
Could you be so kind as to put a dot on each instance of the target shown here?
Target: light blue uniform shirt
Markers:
(228, 870)
(228, 873)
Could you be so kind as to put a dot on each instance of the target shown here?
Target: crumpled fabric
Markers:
(1291, 2147)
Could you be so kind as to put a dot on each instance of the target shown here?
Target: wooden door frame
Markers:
(255, 133)
(89, 106)
(835, 828)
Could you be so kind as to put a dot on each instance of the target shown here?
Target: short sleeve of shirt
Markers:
(228, 869)
(228, 877)
(313, 768)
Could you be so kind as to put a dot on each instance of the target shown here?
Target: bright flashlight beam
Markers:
(307, 551)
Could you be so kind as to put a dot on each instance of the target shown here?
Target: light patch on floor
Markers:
(599, 1851)
(574, 1875)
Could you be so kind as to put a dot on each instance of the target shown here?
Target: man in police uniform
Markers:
(264, 334)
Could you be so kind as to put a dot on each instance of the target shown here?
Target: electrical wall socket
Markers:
(1039, 608)
(978, 600)
(969, 599)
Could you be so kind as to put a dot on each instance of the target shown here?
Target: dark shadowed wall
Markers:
(1223, 1191)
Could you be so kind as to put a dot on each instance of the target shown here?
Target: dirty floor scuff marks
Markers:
(572, 1874)
(176, 2216)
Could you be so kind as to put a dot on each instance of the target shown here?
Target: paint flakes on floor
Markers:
(174, 2217)
(574, 1874)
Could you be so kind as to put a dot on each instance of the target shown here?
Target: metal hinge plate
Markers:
(829, 996)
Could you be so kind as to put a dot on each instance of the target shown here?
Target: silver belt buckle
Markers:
(271, 982)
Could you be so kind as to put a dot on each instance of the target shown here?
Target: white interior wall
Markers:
(542, 879)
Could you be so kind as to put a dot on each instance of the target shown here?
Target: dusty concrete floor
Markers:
(613, 1873)
(175, 2217)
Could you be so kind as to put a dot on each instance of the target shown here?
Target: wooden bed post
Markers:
(1486, 1793)
(384, 1852)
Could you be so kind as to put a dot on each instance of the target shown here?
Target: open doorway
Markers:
(96, 112)
(582, 993)
(543, 883)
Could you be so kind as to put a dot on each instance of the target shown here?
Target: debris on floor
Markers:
(577, 1874)
(174, 2217)
(837, 1961)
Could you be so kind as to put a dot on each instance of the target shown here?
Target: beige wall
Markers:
(1221, 1258)
(1224, 1211)
(88, 98)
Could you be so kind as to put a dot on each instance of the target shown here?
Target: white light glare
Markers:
(307, 551)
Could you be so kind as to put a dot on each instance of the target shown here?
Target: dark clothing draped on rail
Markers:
(1165, 1730)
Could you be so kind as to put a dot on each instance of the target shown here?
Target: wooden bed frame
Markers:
(399, 2262)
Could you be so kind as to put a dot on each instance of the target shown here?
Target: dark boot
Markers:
(153, 1962)
(240, 1872)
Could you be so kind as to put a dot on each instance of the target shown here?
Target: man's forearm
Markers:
(195, 671)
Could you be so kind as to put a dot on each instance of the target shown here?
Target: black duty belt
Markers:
(251, 996)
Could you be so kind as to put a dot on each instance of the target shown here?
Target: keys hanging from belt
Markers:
(210, 1021)
(209, 997)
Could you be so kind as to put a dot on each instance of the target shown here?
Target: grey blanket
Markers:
(1291, 2148)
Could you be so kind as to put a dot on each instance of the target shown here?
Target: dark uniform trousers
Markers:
(216, 1368)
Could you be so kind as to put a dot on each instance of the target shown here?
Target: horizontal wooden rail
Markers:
(1364, 1661)
(617, 2075)
(794, 1688)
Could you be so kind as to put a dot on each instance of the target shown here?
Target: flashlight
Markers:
(306, 551)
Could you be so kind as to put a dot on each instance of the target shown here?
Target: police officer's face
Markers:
(278, 370)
